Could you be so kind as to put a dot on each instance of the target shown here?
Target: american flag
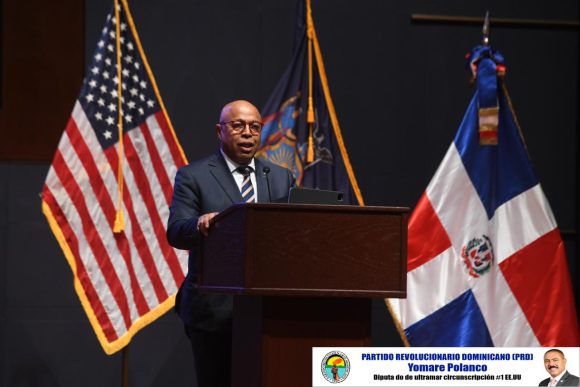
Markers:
(125, 280)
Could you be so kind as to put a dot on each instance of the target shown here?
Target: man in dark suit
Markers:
(555, 364)
(202, 190)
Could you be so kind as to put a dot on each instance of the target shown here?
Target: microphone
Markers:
(266, 171)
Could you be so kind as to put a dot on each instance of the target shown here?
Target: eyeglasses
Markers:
(238, 126)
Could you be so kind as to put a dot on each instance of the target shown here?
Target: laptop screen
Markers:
(299, 195)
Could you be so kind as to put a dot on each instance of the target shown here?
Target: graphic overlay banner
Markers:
(108, 190)
(422, 366)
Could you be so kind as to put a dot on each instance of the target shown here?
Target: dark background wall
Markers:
(400, 90)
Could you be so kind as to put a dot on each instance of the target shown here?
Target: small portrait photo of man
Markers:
(555, 364)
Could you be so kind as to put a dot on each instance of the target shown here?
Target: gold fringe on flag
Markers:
(310, 114)
(119, 224)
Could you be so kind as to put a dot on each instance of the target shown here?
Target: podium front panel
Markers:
(277, 249)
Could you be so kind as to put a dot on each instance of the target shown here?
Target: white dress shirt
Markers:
(238, 177)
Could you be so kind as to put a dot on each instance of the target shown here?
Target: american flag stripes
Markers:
(124, 280)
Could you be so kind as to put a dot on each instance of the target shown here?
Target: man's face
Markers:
(239, 131)
(554, 363)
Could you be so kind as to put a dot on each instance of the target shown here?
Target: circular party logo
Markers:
(335, 367)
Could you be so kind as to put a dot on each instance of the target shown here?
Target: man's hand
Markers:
(203, 222)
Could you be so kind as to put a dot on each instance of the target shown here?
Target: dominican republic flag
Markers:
(486, 264)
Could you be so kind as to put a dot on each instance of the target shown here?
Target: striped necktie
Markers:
(248, 194)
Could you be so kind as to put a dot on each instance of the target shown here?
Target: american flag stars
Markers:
(101, 90)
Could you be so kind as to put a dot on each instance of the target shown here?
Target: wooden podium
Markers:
(304, 276)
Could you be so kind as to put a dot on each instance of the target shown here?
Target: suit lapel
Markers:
(219, 169)
(261, 182)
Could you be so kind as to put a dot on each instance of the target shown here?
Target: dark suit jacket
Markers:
(567, 380)
(207, 186)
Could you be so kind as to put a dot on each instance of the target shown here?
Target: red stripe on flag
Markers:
(92, 236)
(106, 204)
(426, 237)
(170, 140)
(142, 244)
(143, 184)
(164, 181)
(544, 295)
(81, 271)
(140, 240)
(144, 188)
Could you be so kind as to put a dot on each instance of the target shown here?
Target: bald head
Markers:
(237, 133)
(234, 107)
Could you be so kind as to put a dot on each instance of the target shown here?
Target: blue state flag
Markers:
(308, 143)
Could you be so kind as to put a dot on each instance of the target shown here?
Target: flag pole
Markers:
(398, 325)
(125, 367)
(333, 117)
(510, 105)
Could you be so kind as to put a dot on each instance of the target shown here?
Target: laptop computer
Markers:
(299, 195)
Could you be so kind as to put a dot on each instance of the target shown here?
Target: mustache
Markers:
(550, 367)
